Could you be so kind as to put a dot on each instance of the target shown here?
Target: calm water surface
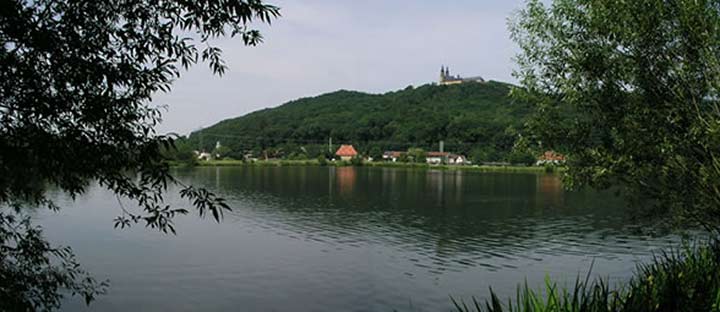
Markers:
(351, 239)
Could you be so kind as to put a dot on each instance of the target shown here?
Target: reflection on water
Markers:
(440, 220)
(550, 188)
(345, 177)
(363, 239)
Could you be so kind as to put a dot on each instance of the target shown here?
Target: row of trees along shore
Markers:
(478, 120)
(185, 153)
(628, 89)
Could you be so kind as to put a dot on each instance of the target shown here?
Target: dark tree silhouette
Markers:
(76, 83)
(629, 91)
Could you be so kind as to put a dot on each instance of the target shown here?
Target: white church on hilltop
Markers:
(447, 79)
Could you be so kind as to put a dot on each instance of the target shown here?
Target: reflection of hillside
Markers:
(452, 217)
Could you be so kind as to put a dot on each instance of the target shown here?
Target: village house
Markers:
(550, 157)
(391, 156)
(203, 155)
(433, 158)
(436, 158)
(454, 159)
(346, 152)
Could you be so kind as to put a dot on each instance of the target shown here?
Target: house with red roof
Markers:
(392, 155)
(346, 152)
(550, 157)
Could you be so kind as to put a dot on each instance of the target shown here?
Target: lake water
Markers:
(351, 239)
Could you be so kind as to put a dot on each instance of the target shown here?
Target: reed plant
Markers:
(684, 279)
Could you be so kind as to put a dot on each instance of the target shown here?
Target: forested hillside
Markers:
(476, 119)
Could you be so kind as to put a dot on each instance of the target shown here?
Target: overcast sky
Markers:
(320, 46)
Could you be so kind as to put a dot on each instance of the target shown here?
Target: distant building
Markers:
(458, 160)
(203, 155)
(447, 79)
(346, 152)
(436, 158)
(392, 155)
(550, 157)
(433, 158)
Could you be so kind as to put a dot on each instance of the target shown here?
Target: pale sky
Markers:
(320, 46)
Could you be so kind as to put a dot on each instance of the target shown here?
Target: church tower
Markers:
(447, 79)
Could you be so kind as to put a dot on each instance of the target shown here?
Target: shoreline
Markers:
(315, 162)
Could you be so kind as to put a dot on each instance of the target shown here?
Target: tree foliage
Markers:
(76, 84)
(181, 152)
(33, 273)
(417, 155)
(628, 90)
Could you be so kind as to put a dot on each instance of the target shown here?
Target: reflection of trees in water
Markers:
(448, 218)
(444, 184)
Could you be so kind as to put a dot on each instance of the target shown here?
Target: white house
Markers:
(391, 156)
(457, 160)
(203, 155)
(436, 158)
(550, 157)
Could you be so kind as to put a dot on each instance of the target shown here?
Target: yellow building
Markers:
(447, 79)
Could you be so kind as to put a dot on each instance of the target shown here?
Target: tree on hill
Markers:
(77, 79)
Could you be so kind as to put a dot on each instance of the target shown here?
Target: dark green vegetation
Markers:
(629, 91)
(475, 119)
(32, 271)
(685, 280)
(76, 82)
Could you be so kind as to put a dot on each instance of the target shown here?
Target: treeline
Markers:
(478, 120)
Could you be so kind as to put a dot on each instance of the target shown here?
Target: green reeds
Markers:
(686, 279)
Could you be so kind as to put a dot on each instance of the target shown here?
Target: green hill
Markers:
(476, 119)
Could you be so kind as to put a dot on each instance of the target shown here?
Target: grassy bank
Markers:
(683, 280)
(260, 163)
(315, 162)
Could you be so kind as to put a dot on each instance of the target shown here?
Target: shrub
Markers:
(356, 161)
(321, 160)
(521, 158)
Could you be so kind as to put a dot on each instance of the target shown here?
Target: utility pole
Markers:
(443, 158)
(330, 145)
